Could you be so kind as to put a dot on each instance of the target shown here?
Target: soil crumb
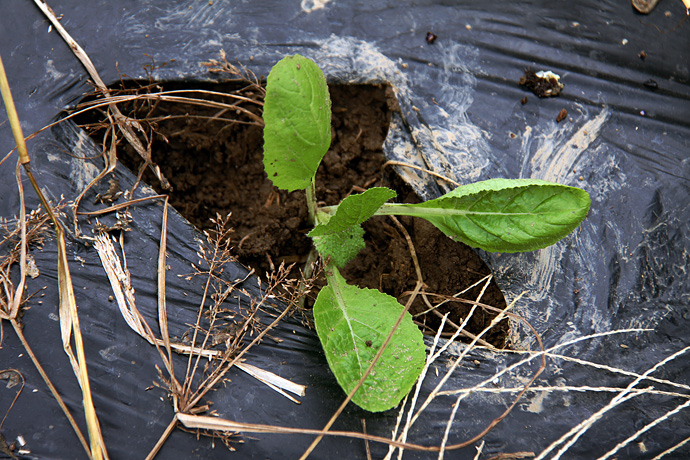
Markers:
(217, 169)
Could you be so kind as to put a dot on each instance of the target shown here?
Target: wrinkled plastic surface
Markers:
(626, 267)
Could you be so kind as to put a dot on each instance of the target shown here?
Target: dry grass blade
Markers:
(7, 374)
(186, 398)
(419, 168)
(120, 282)
(643, 430)
(167, 96)
(616, 370)
(12, 116)
(223, 425)
(119, 206)
(69, 321)
(431, 357)
(17, 298)
(538, 354)
(110, 162)
(576, 432)
(123, 123)
(69, 324)
(512, 456)
(162, 305)
(218, 424)
(189, 406)
(18, 329)
(13, 299)
(436, 391)
(672, 449)
(564, 389)
(269, 378)
(124, 293)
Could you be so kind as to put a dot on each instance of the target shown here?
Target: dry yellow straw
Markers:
(69, 320)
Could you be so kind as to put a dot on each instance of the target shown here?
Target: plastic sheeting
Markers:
(625, 268)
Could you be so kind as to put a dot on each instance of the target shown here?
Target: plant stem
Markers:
(311, 200)
(402, 209)
(12, 116)
(308, 272)
(330, 210)
(312, 257)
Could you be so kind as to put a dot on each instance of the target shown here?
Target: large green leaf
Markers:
(504, 215)
(297, 118)
(342, 237)
(352, 324)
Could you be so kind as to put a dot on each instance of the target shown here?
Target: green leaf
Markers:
(504, 215)
(352, 324)
(342, 237)
(354, 210)
(342, 246)
(297, 118)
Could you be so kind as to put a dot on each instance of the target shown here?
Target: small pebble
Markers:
(561, 115)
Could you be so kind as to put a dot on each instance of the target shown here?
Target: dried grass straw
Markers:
(69, 319)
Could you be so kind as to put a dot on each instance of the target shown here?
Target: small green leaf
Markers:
(352, 324)
(341, 238)
(505, 215)
(354, 210)
(342, 246)
(297, 118)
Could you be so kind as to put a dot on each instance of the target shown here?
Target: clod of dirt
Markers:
(542, 83)
(218, 169)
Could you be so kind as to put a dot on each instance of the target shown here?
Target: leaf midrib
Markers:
(335, 286)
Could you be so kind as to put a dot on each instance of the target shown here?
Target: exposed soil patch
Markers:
(217, 168)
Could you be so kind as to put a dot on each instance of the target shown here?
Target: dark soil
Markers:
(218, 169)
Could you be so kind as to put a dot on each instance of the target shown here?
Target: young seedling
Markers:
(352, 323)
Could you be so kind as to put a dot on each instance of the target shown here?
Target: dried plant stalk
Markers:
(69, 321)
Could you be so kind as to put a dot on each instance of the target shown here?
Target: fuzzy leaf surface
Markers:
(352, 324)
(342, 237)
(341, 246)
(297, 117)
(505, 215)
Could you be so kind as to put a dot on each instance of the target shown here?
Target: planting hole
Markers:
(215, 167)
